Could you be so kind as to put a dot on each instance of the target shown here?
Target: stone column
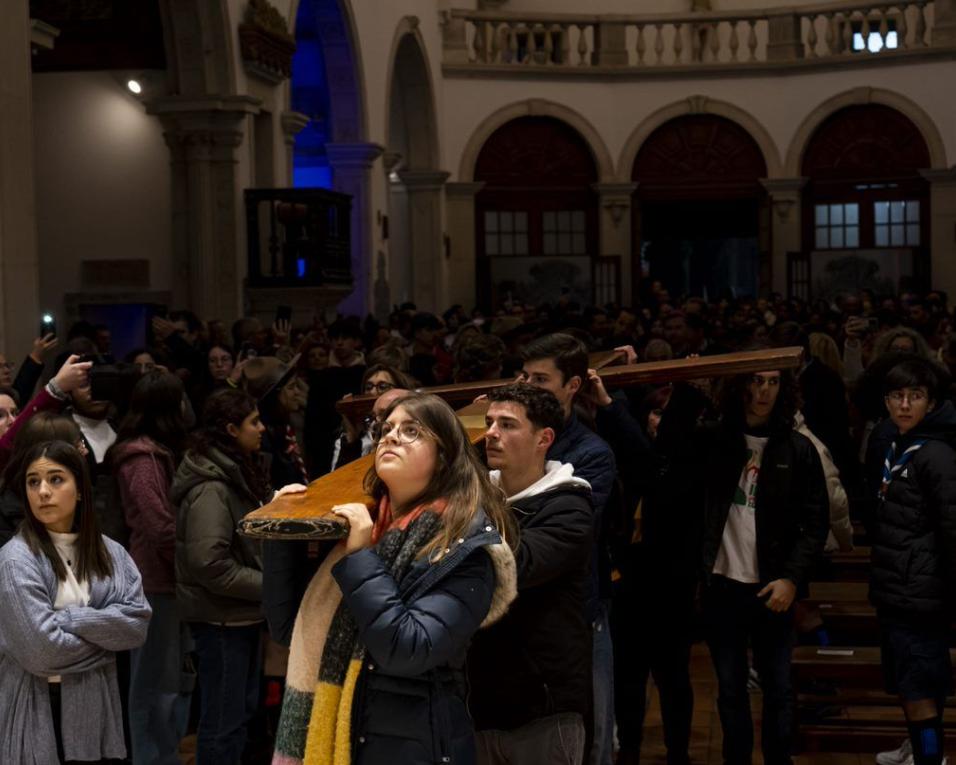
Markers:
(292, 124)
(429, 267)
(352, 174)
(19, 282)
(942, 223)
(614, 221)
(462, 266)
(786, 235)
(209, 243)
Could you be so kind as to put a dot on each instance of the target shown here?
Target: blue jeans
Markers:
(736, 618)
(602, 748)
(230, 662)
(158, 702)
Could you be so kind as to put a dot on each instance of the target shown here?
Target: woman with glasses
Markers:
(911, 488)
(376, 666)
(380, 378)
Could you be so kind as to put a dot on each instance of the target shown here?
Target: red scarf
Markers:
(384, 521)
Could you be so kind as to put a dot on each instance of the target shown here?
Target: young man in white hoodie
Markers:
(530, 673)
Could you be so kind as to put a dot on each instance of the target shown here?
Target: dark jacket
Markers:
(144, 470)
(792, 508)
(913, 562)
(288, 567)
(11, 513)
(410, 704)
(536, 661)
(218, 571)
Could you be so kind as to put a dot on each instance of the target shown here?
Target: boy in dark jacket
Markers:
(911, 470)
(766, 517)
(531, 672)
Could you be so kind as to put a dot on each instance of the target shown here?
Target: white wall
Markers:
(102, 181)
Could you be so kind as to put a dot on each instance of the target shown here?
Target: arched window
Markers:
(536, 214)
(700, 211)
(865, 211)
(310, 96)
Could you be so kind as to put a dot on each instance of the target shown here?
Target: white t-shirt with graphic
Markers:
(737, 556)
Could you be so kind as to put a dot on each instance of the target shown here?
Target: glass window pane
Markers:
(521, 244)
(852, 236)
(579, 246)
(896, 235)
(491, 244)
(548, 221)
(521, 221)
(881, 212)
(912, 234)
(507, 221)
(836, 215)
(822, 217)
(882, 236)
(896, 212)
(491, 221)
(836, 237)
(577, 220)
(912, 211)
(550, 243)
(564, 243)
(564, 222)
(823, 240)
(507, 245)
(852, 213)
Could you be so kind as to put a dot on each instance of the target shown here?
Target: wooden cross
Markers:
(308, 515)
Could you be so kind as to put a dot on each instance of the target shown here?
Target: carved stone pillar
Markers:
(352, 174)
(292, 124)
(462, 267)
(429, 268)
(19, 281)
(209, 252)
(942, 244)
(614, 231)
(785, 199)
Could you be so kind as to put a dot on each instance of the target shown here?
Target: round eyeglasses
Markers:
(407, 432)
(378, 387)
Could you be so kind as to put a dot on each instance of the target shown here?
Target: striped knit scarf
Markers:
(326, 654)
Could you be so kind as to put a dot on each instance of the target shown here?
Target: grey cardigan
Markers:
(78, 643)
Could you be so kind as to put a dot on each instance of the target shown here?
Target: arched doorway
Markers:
(536, 215)
(701, 219)
(414, 182)
(866, 206)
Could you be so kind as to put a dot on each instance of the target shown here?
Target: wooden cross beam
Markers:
(308, 515)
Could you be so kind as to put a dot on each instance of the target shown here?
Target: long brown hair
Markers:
(92, 557)
(460, 477)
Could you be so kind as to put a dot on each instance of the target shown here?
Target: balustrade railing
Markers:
(727, 38)
(298, 237)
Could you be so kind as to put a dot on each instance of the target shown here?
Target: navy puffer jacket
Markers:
(913, 527)
(410, 700)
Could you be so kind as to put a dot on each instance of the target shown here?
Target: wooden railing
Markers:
(298, 237)
(579, 42)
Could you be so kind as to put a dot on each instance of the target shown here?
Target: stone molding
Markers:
(940, 177)
(42, 35)
(423, 180)
(784, 194)
(615, 199)
(293, 123)
(463, 190)
(357, 156)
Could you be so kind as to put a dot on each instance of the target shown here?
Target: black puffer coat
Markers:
(913, 567)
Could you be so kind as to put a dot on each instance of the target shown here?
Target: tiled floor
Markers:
(706, 736)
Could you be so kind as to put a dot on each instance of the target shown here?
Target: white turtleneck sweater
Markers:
(70, 591)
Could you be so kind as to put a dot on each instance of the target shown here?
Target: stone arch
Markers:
(412, 125)
(200, 51)
(860, 96)
(700, 105)
(539, 108)
(335, 29)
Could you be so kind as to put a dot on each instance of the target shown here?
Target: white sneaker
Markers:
(901, 756)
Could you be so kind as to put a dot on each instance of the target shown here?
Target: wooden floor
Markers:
(706, 736)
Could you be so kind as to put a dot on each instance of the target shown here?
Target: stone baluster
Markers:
(884, 26)
(566, 44)
(678, 41)
(752, 39)
(902, 31)
(583, 45)
(715, 40)
(531, 46)
(659, 43)
(812, 38)
(830, 37)
(641, 46)
(696, 33)
(513, 44)
(920, 40)
(494, 42)
(548, 45)
(847, 33)
(481, 53)
(734, 41)
(865, 29)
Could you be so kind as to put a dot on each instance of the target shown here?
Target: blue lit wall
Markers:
(310, 95)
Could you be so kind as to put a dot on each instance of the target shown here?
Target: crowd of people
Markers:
(504, 604)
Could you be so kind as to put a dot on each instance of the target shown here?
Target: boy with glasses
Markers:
(911, 470)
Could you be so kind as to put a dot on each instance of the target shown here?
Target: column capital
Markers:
(783, 187)
(353, 156)
(423, 180)
(463, 190)
(206, 107)
(615, 189)
(292, 123)
(941, 176)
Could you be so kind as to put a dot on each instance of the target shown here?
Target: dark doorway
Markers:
(705, 248)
